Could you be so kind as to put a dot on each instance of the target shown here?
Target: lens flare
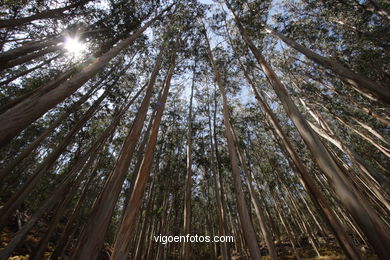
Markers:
(74, 47)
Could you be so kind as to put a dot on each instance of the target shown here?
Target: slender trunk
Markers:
(286, 226)
(221, 211)
(372, 131)
(271, 219)
(105, 135)
(164, 220)
(370, 175)
(28, 48)
(256, 204)
(309, 209)
(105, 203)
(38, 91)
(138, 163)
(20, 235)
(149, 253)
(126, 229)
(186, 252)
(329, 134)
(70, 224)
(141, 240)
(249, 233)
(377, 145)
(302, 219)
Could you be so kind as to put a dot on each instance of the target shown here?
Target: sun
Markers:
(74, 47)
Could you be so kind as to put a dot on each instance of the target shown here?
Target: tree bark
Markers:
(249, 233)
(221, 210)
(256, 203)
(186, 249)
(126, 229)
(106, 134)
(61, 209)
(105, 203)
(141, 240)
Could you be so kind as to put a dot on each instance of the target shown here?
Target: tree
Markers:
(125, 123)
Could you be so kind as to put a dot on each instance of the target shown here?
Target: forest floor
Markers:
(328, 251)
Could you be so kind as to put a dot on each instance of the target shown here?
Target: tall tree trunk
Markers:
(364, 136)
(256, 203)
(104, 205)
(106, 134)
(164, 221)
(61, 209)
(249, 232)
(371, 176)
(367, 110)
(140, 153)
(301, 217)
(70, 224)
(186, 252)
(126, 229)
(374, 228)
(27, 48)
(141, 240)
(39, 90)
(365, 168)
(286, 226)
(221, 210)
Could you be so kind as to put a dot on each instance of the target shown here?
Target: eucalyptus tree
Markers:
(271, 127)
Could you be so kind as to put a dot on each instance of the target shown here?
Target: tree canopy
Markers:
(126, 121)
